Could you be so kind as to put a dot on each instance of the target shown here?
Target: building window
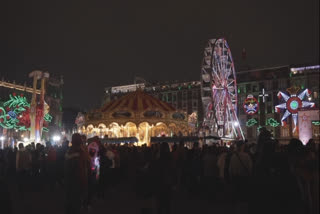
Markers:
(261, 85)
(268, 85)
(195, 103)
(174, 97)
(249, 132)
(269, 108)
(169, 97)
(275, 84)
(248, 88)
(283, 83)
(285, 132)
(195, 94)
(184, 95)
(315, 95)
(315, 131)
(241, 100)
(184, 104)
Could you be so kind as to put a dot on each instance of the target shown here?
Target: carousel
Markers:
(136, 114)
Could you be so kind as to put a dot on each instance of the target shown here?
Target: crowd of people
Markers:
(261, 177)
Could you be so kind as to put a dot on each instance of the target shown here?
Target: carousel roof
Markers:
(136, 107)
(137, 101)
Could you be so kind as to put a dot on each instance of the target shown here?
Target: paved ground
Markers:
(120, 201)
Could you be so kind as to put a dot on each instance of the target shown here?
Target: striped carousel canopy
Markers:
(137, 101)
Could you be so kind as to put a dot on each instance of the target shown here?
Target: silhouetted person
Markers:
(51, 165)
(76, 175)
(162, 176)
(105, 164)
(23, 166)
(240, 171)
(61, 152)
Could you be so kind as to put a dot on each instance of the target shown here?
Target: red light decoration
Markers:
(251, 105)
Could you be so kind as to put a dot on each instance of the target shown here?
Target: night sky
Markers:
(95, 44)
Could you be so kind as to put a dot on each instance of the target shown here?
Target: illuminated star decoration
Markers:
(292, 103)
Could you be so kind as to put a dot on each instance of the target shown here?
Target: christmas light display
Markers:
(316, 123)
(251, 105)
(292, 103)
(11, 112)
(272, 122)
(15, 114)
(251, 122)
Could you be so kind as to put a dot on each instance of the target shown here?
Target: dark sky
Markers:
(95, 44)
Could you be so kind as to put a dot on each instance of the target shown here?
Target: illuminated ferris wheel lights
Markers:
(236, 123)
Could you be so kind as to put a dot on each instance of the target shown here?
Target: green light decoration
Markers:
(12, 110)
(316, 123)
(239, 91)
(272, 122)
(251, 122)
(47, 118)
(259, 127)
(15, 109)
(16, 101)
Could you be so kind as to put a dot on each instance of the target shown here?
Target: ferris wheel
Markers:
(219, 91)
